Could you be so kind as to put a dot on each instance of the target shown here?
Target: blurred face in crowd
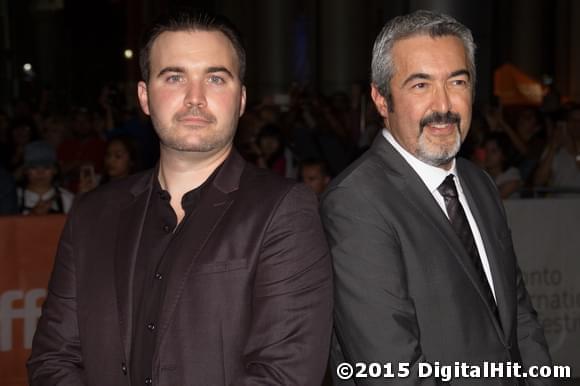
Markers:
(527, 124)
(82, 124)
(40, 176)
(53, 130)
(494, 156)
(194, 95)
(314, 178)
(118, 161)
(269, 145)
(431, 97)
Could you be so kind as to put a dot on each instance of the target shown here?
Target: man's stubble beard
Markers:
(210, 139)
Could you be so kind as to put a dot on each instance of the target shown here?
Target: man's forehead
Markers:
(211, 45)
(423, 49)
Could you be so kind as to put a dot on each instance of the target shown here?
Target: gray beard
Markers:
(437, 158)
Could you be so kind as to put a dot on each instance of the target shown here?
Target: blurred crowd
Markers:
(49, 155)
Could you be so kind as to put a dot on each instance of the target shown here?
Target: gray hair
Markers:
(421, 22)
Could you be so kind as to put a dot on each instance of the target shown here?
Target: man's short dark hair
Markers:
(195, 20)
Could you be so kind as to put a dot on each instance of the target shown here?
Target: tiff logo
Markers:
(30, 313)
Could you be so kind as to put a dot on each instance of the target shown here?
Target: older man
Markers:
(203, 271)
(424, 266)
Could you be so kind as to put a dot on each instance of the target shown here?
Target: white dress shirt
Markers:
(432, 177)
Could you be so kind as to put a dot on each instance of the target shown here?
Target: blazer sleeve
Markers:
(374, 317)
(290, 332)
(531, 341)
(56, 351)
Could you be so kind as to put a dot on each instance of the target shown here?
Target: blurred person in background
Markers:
(272, 149)
(527, 138)
(22, 133)
(498, 165)
(41, 193)
(53, 130)
(121, 160)
(314, 173)
(560, 163)
(84, 148)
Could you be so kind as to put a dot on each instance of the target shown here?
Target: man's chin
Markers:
(437, 157)
(195, 146)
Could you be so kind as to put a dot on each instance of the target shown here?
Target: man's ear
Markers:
(243, 101)
(143, 97)
(380, 101)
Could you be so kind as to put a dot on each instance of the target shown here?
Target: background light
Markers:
(128, 54)
(27, 67)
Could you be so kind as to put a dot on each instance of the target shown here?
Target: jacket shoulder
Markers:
(265, 185)
(113, 191)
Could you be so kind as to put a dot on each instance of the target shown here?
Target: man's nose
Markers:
(441, 101)
(195, 95)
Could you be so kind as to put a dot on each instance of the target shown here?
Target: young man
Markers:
(424, 265)
(203, 271)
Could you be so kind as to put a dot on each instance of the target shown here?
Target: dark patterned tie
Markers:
(461, 226)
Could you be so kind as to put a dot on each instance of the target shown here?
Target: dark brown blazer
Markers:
(403, 292)
(248, 302)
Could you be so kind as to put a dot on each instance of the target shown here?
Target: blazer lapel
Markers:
(414, 190)
(417, 194)
(213, 204)
(131, 220)
(505, 303)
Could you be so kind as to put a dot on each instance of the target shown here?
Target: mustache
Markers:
(195, 112)
(438, 118)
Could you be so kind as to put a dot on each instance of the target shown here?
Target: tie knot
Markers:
(447, 187)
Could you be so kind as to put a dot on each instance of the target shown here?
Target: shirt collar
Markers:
(431, 176)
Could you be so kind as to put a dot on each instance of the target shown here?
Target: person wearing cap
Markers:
(40, 194)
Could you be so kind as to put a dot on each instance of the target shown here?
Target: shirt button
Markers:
(151, 326)
(158, 276)
(166, 228)
(124, 368)
(148, 381)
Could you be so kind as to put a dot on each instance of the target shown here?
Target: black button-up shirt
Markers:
(160, 241)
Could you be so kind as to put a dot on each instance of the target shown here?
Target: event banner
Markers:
(27, 248)
(546, 235)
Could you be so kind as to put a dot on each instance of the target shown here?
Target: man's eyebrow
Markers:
(419, 75)
(460, 72)
(213, 69)
(165, 70)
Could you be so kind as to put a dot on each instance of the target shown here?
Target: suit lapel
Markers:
(417, 194)
(505, 303)
(131, 220)
(214, 203)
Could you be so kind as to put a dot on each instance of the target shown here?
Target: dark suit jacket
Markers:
(248, 302)
(402, 290)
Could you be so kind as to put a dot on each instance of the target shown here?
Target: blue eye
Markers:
(174, 78)
(216, 79)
